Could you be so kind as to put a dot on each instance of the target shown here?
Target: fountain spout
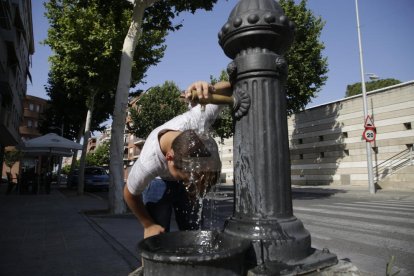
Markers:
(223, 95)
(239, 101)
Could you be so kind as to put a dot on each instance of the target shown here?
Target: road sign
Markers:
(369, 123)
(369, 134)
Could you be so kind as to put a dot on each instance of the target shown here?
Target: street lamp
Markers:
(371, 184)
(372, 76)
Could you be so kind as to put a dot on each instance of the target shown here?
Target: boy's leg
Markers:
(187, 212)
(158, 203)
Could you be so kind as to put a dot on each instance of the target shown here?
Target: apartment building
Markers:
(16, 47)
(33, 108)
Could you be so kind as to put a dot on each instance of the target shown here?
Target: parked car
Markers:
(94, 178)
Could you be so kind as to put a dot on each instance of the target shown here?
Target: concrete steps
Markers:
(400, 180)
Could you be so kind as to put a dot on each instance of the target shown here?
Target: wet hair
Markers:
(199, 156)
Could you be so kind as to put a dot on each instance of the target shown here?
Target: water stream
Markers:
(207, 204)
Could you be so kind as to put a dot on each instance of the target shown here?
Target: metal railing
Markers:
(394, 163)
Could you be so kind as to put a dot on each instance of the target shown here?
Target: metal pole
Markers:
(364, 96)
(60, 161)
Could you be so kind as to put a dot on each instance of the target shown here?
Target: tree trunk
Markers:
(117, 182)
(86, 136)
(75, 154)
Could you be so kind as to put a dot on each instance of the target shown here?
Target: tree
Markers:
(86, 39)
(356, 88)
(307, 68)
(143, 9)
(100, 157)
(223, 125)
(155, 107)
(11, 157)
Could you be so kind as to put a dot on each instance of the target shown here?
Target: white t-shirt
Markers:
(152, 162)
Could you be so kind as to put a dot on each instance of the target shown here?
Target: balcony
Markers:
(138, 141)
(5, 14)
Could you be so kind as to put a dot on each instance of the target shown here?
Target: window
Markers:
(37, 108)
(344, 134)
(346, 152)
(301, 156)
(407, 126)
(300, 141)
(321, 155)
(31, 107)
(35, 124)
(321, 138)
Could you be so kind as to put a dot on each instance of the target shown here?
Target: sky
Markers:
(193, 52)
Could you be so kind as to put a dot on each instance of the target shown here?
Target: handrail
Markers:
(394, 163)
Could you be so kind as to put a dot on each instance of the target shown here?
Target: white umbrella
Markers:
(50, 143)
(32, 151)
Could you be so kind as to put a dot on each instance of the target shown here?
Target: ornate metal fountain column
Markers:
(256, 36)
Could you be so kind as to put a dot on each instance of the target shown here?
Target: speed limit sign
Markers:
(369, 134)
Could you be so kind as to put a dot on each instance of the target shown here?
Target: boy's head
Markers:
(196, 161)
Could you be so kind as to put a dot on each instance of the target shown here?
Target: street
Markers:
(368, 231)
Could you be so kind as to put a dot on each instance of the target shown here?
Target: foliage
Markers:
(356, 88)
(86, 38)
(307, 68)
(155, 107)
(11, 157)
(100, 157)
(65, 169)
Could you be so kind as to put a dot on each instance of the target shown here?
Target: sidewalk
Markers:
(48, 235)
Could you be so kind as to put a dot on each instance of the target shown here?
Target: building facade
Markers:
(326, 142)
(327, 147)
(16, 47)
(33, 108)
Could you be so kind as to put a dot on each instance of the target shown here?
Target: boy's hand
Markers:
(153, 230)
(203, 89)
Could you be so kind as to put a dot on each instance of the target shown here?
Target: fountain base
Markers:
(319, 259)
(194, 253)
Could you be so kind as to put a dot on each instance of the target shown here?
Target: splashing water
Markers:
(201, 124)
(197, 189)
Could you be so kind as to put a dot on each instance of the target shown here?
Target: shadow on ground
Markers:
(306, 193)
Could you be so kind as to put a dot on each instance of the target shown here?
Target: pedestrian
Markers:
(175, 166)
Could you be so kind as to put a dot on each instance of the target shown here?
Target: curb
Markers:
(124, 252)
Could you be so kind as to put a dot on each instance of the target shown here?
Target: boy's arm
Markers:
(137, 206)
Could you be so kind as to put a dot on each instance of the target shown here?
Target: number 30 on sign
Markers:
(369, 135)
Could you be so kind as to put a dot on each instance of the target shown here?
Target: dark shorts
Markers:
(161, 197)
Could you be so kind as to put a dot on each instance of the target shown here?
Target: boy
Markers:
(174, 161)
